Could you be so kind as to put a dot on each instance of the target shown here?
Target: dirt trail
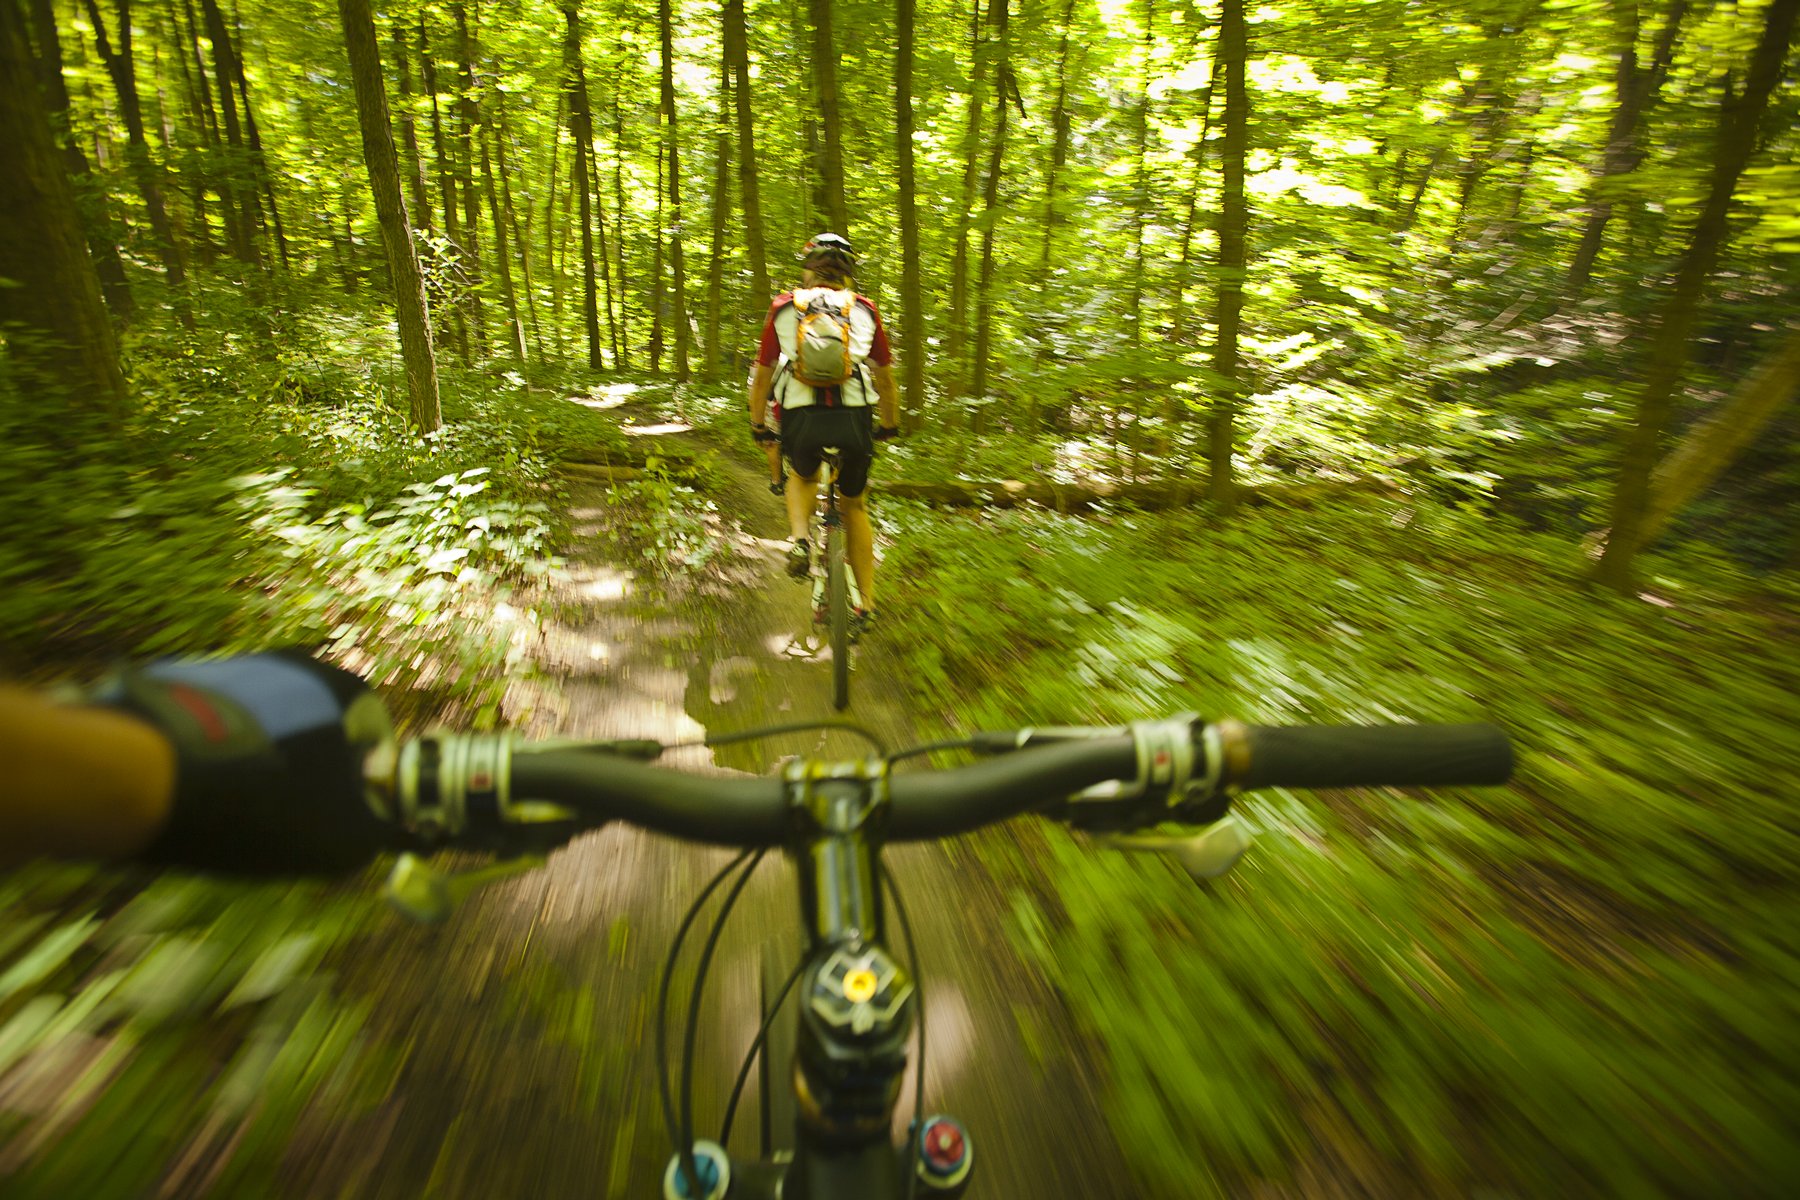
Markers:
(526, 1022)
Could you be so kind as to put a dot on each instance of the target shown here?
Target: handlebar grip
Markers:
(1326, 756)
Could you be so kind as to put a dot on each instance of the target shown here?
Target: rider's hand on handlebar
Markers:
(269, 762)
(762, 433)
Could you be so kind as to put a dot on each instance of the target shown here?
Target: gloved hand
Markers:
(269, 752)
(762, 433)
(884, 433)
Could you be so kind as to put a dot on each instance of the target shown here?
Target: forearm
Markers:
(79, 782)
(760, 385)
(887, 395)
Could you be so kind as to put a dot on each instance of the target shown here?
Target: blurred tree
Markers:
(59, 342)
(396, 231)
(1739, 119)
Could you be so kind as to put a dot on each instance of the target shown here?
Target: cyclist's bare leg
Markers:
(859, 543)
(802, 495)
(773, 450)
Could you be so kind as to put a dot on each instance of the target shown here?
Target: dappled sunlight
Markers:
(666, 427)
(605, 584)
(607, 397)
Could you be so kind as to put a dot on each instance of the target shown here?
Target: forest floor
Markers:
(526, 1022)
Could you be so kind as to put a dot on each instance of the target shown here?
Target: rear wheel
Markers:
(776, 1076)
(838, 598)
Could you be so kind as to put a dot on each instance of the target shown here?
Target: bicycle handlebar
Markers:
(1179, 769)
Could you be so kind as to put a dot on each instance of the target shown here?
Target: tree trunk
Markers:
(672, 154)
(737, 53)
(515, 326)
(581, 128)
(1234, 221)
(259, 162)
(95, 220)
(241, 201)
(206, 123)
(446, 185)
(912, 300)
(1060, 130)
(521, 233)
(957, 334)
(1140, 202)
(1184, 264)
(622, 355)
(831, 149)
(390, 208)
(1738, 120)
(144, 172)
(658, 286)
(711, 359)
(984, 324)
(614, 325)
(1637, 91)
(59, 341)
(556, 233)
(468, 116)
(1711, 446)
(409, 136)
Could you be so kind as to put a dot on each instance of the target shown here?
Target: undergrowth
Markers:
(1583, 983)
(168, 1032)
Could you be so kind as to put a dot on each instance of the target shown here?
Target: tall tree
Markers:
(390, 209)
(259, 162)
(446, 180)
(1708, 449)
(238, 197)
(409, 135)
(957, 334)
(711, 359)
(1005, 91)
(1637, 88)
(1234, 222)
(1739, 117)
(1060, 130)
(206, 119)
(737, 53)
(1140, 202)
(95, 220)
(831, 147)
(671, 144)
(145, 172)
(467, 119)
(581, 129)
(912, 301)
(58, 339)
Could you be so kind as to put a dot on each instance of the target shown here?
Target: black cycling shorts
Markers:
(807, 432)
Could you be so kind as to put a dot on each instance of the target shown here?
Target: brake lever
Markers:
(1204, 856)
(420, 892)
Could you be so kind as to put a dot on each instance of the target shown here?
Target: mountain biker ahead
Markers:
(825, 359)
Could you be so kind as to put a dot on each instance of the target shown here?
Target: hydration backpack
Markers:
(822, 341)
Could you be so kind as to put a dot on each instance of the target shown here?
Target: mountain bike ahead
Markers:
(830, 1071)
(834, 592)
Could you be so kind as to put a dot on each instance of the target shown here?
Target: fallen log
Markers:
(1150, 495)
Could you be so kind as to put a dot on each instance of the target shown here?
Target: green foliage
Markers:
(268, 498)
(1574, 983)
(153, 1036)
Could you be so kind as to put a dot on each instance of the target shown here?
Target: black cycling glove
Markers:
(269, 762)
(885, 433)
